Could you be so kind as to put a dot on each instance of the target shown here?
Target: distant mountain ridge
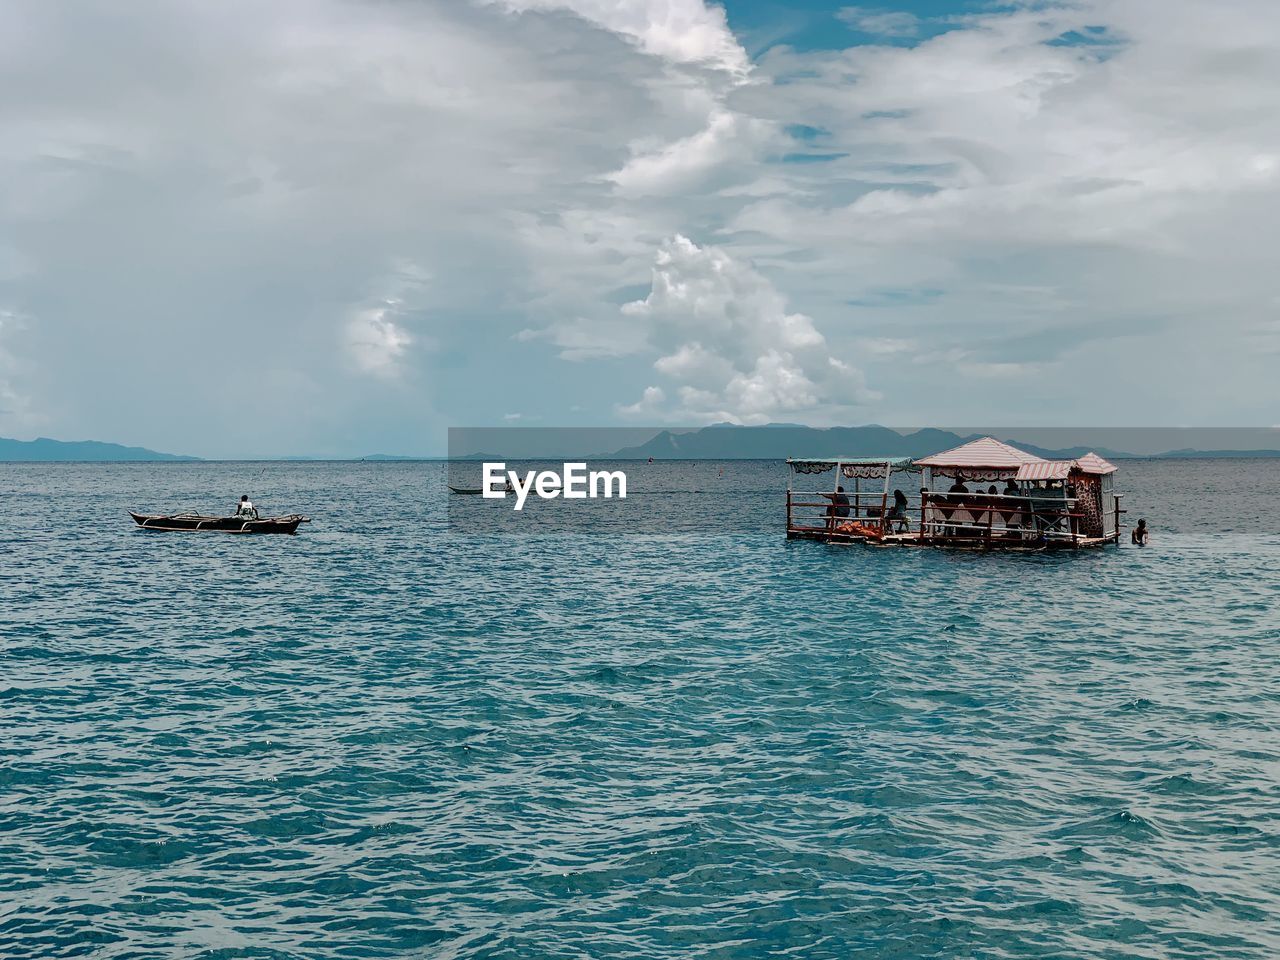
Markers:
(720, 441)
(44, 450)
(779, 441)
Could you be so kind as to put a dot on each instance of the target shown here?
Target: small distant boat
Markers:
(196, 523)
(475, 491)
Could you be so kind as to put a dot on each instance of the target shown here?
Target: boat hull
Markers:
(194, 523)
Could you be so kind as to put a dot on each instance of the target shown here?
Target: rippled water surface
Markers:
(383, 738)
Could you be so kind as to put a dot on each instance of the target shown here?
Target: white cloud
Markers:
(679, 166)
(376, 340)
(683, 31)
(693, 363)
(375, 336)
(730, 345)
(650, 406)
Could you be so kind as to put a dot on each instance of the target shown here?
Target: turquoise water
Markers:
(383, 738)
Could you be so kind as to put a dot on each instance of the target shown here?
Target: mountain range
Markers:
(775, 441)
(779, 441)
(44, 450)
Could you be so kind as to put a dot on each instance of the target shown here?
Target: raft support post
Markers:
(884, 499)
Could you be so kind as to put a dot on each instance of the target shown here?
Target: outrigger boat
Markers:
(476, 491)
(196, 523)
(1044, 504)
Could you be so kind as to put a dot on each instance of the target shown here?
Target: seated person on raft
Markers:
(895, 514)
(839, 504)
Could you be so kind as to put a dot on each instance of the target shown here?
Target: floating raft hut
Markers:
(998, 497)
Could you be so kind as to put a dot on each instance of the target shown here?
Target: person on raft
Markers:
(245, 510)
(898, 512)
(837, 508)
(840, 503)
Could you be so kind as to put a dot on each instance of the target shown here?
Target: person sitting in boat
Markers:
(1140, 535)
(245, 510)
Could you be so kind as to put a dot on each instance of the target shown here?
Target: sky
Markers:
(339, 227)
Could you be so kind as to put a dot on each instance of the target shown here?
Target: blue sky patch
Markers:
(812, 157)
(808, 25)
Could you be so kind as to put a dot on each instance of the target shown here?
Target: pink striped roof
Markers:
(985, 454)
(1059, 469)
(1045, 470)
(1092, 463)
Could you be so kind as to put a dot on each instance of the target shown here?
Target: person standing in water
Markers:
(1141, 535)
(245, 510)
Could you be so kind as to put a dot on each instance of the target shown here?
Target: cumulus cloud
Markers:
(730, 347)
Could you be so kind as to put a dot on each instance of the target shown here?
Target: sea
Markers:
(403, 733)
